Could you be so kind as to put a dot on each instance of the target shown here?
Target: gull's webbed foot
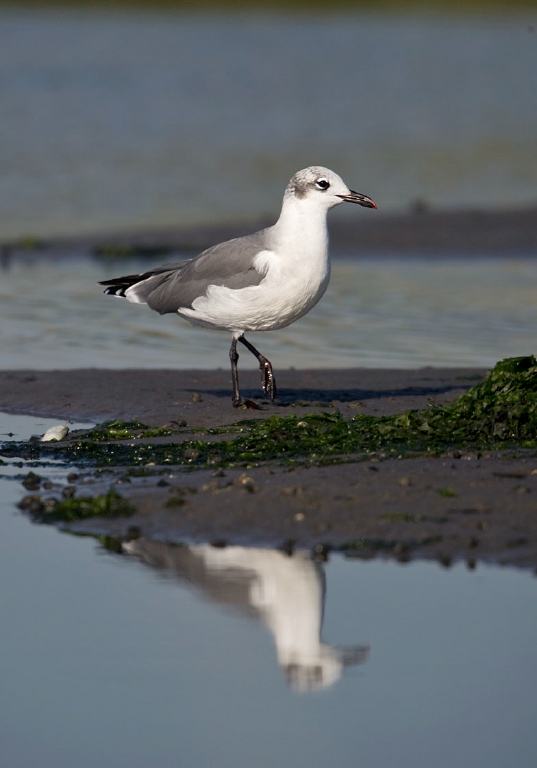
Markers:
(240, 402)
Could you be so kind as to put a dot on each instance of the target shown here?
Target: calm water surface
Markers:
(132, 119)
(377, 313)
(197, 656)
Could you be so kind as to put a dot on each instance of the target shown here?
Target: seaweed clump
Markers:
(51, 510)
(501, 410)
(503, 407)
(126, 430)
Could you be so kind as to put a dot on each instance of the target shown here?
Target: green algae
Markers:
(446, 493)
(125, 430)
(402, 517)
(401, 548)
(498, 413)
(502, 409)
(51, 510)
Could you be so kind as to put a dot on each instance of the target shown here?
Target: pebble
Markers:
(247, 483)
(32, 481)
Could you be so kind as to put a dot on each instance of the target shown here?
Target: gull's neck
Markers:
(301, 228)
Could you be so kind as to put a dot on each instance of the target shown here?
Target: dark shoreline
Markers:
(423, 232)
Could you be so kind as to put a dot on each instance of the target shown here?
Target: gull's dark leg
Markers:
(237, 400)
(234, 356)
(268, 382)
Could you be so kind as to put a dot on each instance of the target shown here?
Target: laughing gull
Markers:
(259, 282)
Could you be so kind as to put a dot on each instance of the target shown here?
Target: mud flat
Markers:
(442, 502)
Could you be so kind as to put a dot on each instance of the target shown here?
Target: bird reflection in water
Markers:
(285, 591)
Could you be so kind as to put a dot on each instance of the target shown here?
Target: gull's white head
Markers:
(322, 187)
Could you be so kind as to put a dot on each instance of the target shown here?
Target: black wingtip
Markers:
(114, 290)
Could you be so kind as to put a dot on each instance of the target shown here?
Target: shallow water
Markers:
(115, 119)
(127, 119)
(201, 656)
(376, 313)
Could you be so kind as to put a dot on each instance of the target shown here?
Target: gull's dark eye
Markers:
(322, 184)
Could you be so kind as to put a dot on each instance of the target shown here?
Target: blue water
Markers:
(176, 655)
(130, 120)
(384, 313)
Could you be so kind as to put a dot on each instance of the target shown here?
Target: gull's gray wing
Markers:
(171, 286)
(230, 264)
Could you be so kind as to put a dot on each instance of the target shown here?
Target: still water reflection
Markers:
(285, 591)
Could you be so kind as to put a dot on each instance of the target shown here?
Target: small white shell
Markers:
(58, 432)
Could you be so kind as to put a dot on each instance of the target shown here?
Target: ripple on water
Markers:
(401, 313)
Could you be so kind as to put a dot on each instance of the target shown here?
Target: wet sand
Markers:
(463, 505)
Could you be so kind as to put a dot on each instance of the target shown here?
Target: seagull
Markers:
(259, 282)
